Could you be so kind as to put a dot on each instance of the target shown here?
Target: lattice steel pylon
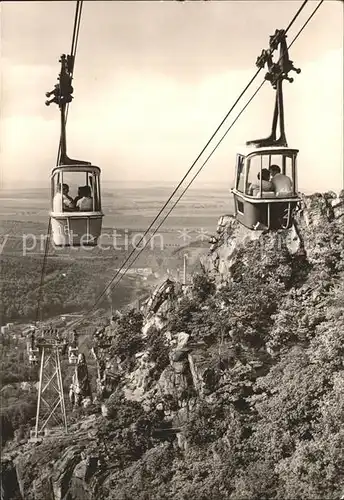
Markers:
(50, 388)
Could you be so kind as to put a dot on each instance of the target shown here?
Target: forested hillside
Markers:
(69, 285)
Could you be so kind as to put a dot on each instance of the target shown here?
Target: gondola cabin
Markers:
(257, 205)
(76, 215)
(73, 355)
(33, 356)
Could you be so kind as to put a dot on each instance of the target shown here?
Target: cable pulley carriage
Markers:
(75, 220)
(266, 191)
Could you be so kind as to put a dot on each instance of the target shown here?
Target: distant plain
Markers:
(26, 211)
(74, 277)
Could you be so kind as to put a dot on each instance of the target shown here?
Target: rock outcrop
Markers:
(231, 240)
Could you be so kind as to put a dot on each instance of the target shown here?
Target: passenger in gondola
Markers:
(254, 189)
(68, 200)
(85, 203)
(282, 184)
(63, 200)
(79, 196)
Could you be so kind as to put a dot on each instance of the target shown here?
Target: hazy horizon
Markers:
(141, 184)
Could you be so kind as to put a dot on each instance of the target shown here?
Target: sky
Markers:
(153, 80)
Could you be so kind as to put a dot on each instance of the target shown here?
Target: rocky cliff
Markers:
(229, 388)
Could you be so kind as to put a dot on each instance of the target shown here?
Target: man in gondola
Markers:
(267, 186)
(282, 184)
(63, 200)
(85, 202)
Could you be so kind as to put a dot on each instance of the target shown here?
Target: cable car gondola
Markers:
(258, 205)
(75, 221)
(256, 208)
(33, 356)
(73, 350)
(32, 349)
(73, 353)
(75, 227)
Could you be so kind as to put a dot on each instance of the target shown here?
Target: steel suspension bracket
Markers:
(62, 95)
(63, 90)
(277, 72)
